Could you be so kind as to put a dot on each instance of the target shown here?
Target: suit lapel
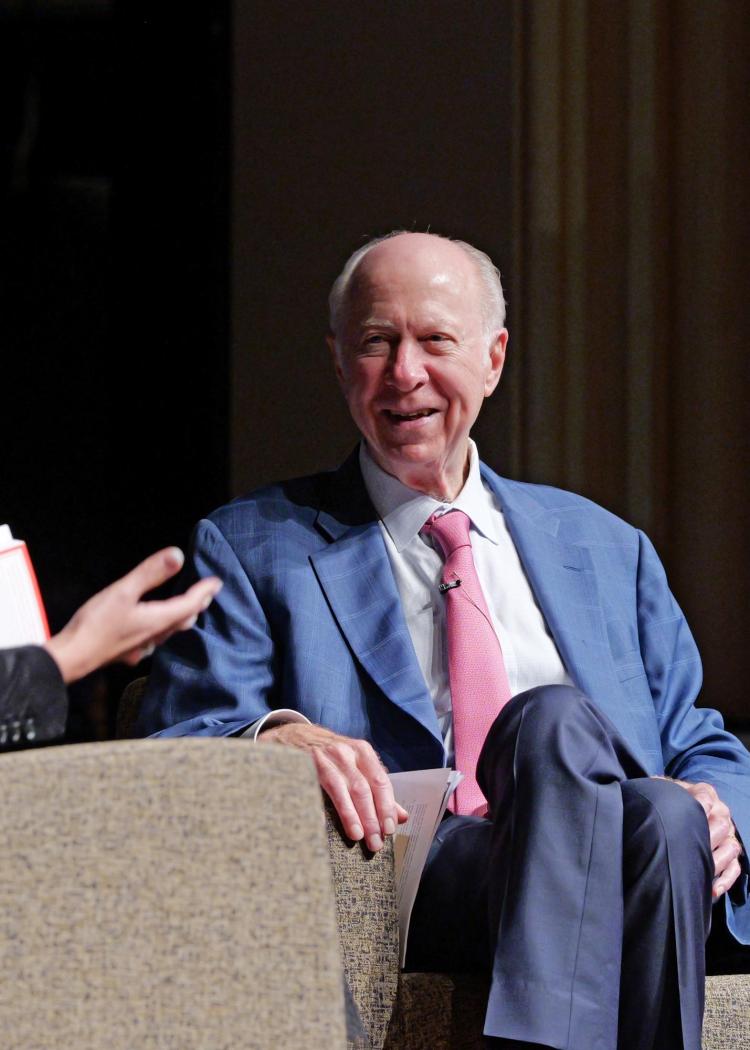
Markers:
(564, 583)
(355, 574)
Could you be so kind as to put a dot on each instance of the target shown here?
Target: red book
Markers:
(23, 620)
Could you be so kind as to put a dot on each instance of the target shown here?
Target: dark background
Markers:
(181, 183)
(114, 268)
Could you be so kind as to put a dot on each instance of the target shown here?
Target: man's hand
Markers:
(725, 846)
(116, 625)
(353, 777)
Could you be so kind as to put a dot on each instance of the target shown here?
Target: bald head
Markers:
(411, 266)
(420, 246)
(414, 356)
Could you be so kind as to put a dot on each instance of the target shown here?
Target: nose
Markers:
(406, 369)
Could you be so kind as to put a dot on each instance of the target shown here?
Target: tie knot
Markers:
(450, 530)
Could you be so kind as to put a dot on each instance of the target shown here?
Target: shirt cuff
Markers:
(274, 718)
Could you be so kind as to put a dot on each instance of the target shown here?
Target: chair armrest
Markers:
(364, 887)
(168, 890)
(365, 895)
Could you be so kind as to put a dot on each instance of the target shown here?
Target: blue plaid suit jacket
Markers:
(310, 618)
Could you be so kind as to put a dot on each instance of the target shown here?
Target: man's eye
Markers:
(375, 340)
(436, 337)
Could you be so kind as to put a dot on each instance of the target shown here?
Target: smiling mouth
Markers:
(406, 417)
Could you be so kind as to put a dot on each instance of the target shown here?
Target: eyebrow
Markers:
(382, 322)
(377, 322)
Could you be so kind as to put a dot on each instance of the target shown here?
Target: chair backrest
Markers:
(169, 893)
(129, 708)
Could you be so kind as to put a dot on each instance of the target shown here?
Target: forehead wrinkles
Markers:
(378, 280)
(388, 297)
(427, 315)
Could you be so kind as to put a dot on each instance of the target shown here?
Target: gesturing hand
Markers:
(725, 846)
(353, 777)
(117, 625)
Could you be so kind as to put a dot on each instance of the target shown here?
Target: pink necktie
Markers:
(478, 679)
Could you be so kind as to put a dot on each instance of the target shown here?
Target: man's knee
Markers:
(540, 717)
(661, 818)
(546, 729)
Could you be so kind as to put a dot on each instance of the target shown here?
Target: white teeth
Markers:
(411, 415)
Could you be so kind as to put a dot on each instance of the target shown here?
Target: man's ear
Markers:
(331, 341)
(497, 360)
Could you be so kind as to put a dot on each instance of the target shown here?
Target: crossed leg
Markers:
(587, 893)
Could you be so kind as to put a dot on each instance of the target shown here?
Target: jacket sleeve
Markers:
(217, 678)
(33, 699)
(695, 745)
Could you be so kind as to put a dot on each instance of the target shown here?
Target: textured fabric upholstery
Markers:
(166, 894)
(437, 1011)
(429, 1011)
(368, 926)
(441, 1012)
(434, 1011)
(726, 1025)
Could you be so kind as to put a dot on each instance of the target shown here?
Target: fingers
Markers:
(727, 866)
(725, 859)
(155, 569)
(726, 880)
(720, 826)
(353, 777)
(381, 793)
(134, 656)
(158, 620)
(181, 612)
(350, 800)
(705, 794)
(115, 624)
(725, 846)
(185, 608)
(717, 812)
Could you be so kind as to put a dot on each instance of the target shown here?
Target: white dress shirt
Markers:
(531, 657)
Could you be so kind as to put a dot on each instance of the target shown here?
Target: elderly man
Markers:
(412, 609)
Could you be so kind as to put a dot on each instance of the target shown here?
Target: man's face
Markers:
(414, 360)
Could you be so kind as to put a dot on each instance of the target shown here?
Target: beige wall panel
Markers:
(710, 380)
(632, 231)
(350, 120)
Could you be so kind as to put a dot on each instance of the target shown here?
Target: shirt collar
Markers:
(404, 511)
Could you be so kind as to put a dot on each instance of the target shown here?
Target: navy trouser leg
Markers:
(563, 895)
(551, 770)
(449, 931)
(666, 920)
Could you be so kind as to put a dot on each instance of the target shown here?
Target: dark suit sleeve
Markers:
(33, 699)
(695, 745)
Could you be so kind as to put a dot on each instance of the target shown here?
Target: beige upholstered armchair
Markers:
(419, 1011)
(197, 895)
(166, 894)
(437, 1011)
